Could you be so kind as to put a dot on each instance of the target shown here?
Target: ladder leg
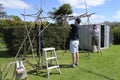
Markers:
(58, 68)
(50, 57)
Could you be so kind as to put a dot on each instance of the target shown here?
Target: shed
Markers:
(86, 36)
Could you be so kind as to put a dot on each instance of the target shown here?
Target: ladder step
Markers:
(53, 67)
(47, 49)
(49, 58)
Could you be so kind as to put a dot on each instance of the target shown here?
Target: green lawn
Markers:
(97, 67)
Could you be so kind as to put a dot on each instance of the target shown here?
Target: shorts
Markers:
(74, 46)
(95, 41)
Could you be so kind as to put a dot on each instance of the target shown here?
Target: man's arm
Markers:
(67, 22)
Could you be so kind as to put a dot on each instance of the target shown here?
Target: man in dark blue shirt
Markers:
(39, 38)
(74, 41)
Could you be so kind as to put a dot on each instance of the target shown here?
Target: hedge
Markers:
(15, 32)
(14, 37)
(57, 36)
(115, 29)
(116, 33)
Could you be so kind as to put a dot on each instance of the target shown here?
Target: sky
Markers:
(105, 10)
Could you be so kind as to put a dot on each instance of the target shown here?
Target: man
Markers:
(95, 37)
(39, 38)
(74, 41)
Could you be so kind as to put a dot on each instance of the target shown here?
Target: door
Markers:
(102, 35)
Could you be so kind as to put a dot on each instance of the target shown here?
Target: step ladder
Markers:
(50, 55)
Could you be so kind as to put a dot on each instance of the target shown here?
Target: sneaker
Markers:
(73, 66)
(76, 64)
(98, 51)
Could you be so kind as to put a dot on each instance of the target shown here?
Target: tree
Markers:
(63, 10)
(1, 7)
(16, 18)
(2, 13)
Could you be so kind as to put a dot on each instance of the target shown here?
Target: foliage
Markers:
(10, 39)
(56, 36)
(14, 33)
(16, 18)
(10, 23)
(3, 13)
(116, 33)
(115, 29)
(63, 10)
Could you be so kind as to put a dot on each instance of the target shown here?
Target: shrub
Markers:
(56, 36)
(116, 33)
(14, 33)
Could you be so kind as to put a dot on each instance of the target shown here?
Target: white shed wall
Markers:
(86, 36)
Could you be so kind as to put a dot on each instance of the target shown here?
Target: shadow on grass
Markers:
(42, 73)
(35, 73)
(98, 74)
(4, 54)
(64, 65)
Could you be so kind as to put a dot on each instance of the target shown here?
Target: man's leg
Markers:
(72, 53)
(97, 45)
(93, 44)
(77, 54)
(77, 58)
(73, 59)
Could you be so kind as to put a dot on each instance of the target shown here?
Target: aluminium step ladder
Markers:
(50, 55)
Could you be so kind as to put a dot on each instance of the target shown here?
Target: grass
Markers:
(97, 67)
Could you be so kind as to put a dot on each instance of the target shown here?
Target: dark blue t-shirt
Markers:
(74, 32)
